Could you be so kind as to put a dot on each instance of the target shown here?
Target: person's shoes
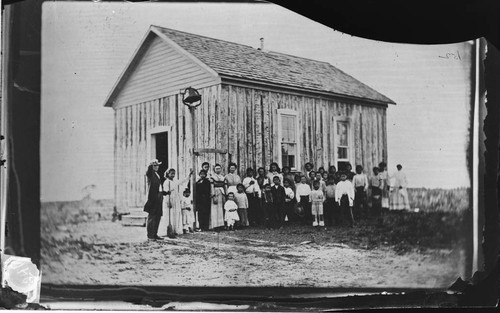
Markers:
(321, 223)
(191, 230)
(315, 223)
(184, 231)
(151, 239)
(158, 238)
(198, 230)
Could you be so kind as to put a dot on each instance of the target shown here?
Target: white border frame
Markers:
(281, 112)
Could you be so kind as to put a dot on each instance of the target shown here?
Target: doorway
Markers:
(161, 152)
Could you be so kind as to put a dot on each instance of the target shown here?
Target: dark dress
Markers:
(154, 206)
(203, 203)
(277, 216)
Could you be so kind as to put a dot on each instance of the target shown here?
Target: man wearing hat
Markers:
(155, 199)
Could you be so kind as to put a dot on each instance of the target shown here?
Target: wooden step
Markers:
(134, 220)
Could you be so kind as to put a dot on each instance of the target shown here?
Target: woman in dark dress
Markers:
(154, 205)
(203, 203)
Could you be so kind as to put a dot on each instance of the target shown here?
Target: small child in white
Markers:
(187, 212)
(231, 209)
(317, 197)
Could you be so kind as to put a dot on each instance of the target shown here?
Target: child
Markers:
(277, 216)
(289, 201)
(231, 210)
(325, 177)
(253, 192)
(242, 203)
(317, 198)
(360, 182)
(187, 212)
(287, 174)
(302, 192)
(375, 186)
(330, 207)
(322, 184)
(350, 174)
(311, 178)
(267, 203)
(344, 196)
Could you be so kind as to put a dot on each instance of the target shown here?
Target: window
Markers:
(343, 144)
(288, 138)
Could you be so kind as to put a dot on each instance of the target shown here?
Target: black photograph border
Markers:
(420, 22)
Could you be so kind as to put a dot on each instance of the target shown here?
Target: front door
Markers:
(161, 149)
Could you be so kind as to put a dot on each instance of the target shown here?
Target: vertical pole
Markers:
(193, 156)
(6, 78)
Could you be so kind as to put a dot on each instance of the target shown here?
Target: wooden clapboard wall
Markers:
(253, 120)
(243, 121)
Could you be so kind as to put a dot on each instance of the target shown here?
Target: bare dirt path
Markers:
(103, 252)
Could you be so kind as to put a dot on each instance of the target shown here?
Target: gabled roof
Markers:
(239, 61)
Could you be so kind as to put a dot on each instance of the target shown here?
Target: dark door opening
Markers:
(161, 140)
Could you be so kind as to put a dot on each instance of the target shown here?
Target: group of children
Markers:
(318, 198)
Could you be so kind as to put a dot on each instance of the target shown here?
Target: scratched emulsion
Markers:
(86, 45)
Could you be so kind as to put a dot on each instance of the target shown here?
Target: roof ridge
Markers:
(211, 38)
(299, 57)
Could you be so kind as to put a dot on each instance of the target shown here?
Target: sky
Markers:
(86, 45)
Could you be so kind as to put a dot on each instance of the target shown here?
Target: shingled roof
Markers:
(245, 62)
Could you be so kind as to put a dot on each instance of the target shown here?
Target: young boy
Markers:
(231, 210)
(376, 189)
(267, 204)
(242, 203)
(330, 208)
(322, 183)
(350, 174)
(277, 216)
(289, 201)
(360, 182)
(311, 178)
(317, 198)
(187, 212)
(344, 196)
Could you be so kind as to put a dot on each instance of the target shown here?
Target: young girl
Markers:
(253, 192)
(187, 212)
(231, 210)
(242, 202)
(232, 179)
(217, 195)
(317, 197)
(171, 202)
(289, 201)
(274, 170)
(303, 190)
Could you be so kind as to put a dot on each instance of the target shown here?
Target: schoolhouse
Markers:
(257, 107)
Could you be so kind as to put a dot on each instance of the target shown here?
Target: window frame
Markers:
(293, 113)
(350, 138)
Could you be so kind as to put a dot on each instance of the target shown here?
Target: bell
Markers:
(191, 96)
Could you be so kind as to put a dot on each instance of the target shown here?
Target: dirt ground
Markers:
(105, 252)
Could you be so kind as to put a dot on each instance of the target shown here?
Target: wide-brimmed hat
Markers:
(154, 162)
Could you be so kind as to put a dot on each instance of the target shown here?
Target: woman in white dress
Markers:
(218, 198)
(232, 179)
(171, 201)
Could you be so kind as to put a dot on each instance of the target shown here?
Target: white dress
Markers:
(176, 189)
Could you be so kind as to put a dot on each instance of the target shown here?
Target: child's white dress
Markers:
(231, 210)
